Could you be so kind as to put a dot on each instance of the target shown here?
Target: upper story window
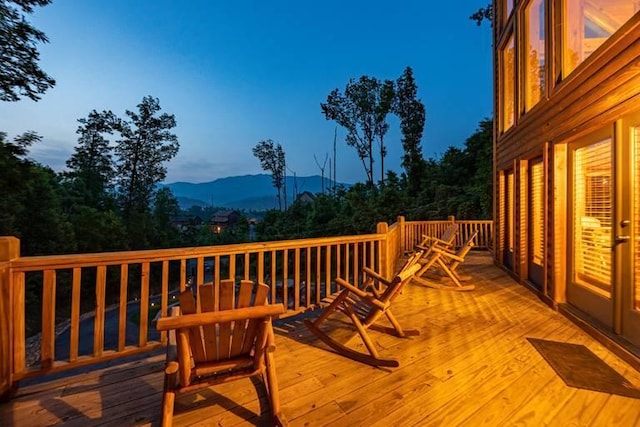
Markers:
(507, 77)
(589, 23)
(534, 69)
(509, 9)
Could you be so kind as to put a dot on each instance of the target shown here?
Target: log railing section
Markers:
(90, 308)
(414, 230)
(125, 289)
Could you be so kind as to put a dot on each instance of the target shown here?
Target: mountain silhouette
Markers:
(251, 192)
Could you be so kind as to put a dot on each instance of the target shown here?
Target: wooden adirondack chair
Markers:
(228, 340)
(448, 261)
(364, 306)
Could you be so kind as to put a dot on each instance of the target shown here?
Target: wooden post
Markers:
(383, 228)
(9, 250)
(403, 235)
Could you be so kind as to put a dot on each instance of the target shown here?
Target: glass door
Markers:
(591, 207)
(627, 236)
(536, 222)
(509, 220)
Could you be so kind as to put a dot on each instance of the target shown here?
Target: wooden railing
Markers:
(126, 289)
(413, 232)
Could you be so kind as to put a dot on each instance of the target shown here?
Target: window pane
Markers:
(593, 213)
(537, 212)
(509, 8)
(589, 23)
(508, 85)
(534, 71)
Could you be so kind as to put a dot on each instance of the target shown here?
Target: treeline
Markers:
(458, 183)
(108, 197)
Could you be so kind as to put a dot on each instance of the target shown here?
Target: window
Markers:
(534, 70)
(508, 85)
(537, 211)
(589, 23)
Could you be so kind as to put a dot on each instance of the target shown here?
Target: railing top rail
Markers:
(132, 257)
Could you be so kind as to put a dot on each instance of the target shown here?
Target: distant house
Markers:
(305, 197)
(184, 221)
(223, 219)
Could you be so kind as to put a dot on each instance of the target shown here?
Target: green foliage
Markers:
(20, 74)
(482, 14)
(412, 116)
(272, 159)
(362, 111)
(146, 144)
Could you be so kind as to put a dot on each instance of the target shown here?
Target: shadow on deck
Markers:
(471, 364)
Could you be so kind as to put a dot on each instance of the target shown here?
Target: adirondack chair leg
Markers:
(169, 393)
(271, 380)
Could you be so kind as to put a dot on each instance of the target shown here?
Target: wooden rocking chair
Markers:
(448, 261)
(446, 240)
(364, 307)
(224, 342)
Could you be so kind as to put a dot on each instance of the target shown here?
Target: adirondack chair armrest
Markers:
(202, 319)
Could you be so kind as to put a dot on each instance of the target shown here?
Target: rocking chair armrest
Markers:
(201, 319)
(375, 275)
(362, 294)
(449, 254)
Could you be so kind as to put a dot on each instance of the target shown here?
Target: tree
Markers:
(362, 110)
(90, 168)
(412, 116)
(146, 144)
(20, 74)
(272, 159)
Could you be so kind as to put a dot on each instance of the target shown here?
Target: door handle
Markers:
(622, 239)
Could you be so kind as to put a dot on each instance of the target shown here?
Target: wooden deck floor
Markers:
(471, 365)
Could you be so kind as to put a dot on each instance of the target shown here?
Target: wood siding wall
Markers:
(605, 87)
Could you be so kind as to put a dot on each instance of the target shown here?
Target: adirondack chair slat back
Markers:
(224, 340)
(449, 233)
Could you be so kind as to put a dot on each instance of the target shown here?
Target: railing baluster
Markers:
(122, 315)
(74, 331)
(164, 296)
(144, 304)
(98, 323)
(296, 279)
(48, 319)
(307, 300)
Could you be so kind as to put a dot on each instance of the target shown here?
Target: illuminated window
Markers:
(508, 85)
(593, 213)
(534, 70)
(510, 216)
(537, 212)
(589, 23)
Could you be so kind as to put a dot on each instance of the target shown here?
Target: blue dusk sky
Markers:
(237, 72)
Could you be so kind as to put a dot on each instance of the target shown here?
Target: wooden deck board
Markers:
(471, 364)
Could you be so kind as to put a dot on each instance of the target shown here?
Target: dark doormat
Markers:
(579, 367)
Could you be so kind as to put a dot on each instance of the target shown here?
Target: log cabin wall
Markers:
(579, 98)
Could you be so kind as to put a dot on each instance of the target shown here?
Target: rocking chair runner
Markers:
(448, 261)
(364, 307)
(217, 346)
